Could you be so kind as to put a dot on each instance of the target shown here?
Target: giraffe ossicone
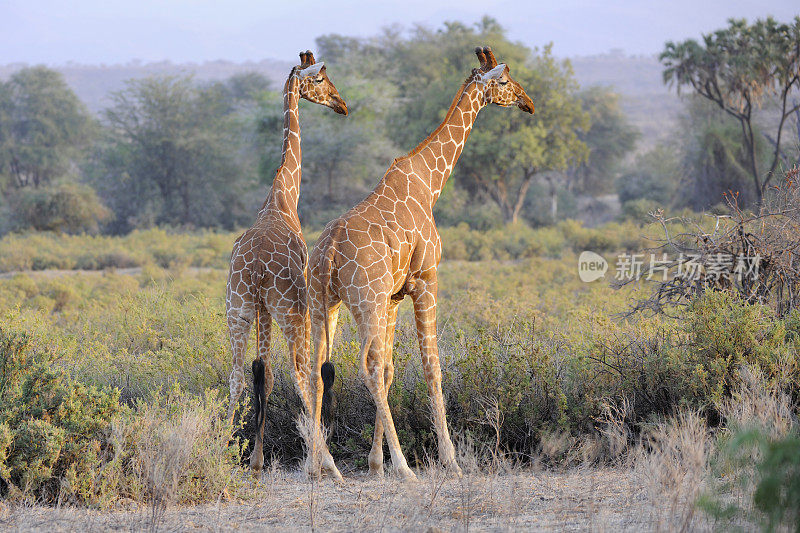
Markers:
(387, 247)
(267, 280)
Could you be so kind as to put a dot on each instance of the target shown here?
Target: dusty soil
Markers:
(575, 500)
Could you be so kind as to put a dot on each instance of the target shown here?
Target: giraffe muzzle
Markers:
(526, 104)
(338, 105)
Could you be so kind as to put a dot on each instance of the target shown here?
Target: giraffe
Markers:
(269, 260)
(387, 247)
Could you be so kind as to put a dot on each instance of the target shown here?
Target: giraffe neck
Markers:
(286, 186)
(440, 151)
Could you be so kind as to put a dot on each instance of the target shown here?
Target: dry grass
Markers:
(654, 485)
(176, 450)
(495, 493)
(756, 405)
(756, 408)
(163, 450)
(579, 499)
(673, 468)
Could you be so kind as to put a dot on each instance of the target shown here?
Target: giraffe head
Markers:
(498, 86)
(315, 86)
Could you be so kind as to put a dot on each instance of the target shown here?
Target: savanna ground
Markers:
(566, 415)
(597, 499)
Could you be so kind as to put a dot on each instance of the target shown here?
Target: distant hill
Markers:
(650, 105)
(647, 101)
(93, 84)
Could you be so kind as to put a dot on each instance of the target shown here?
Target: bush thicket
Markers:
(65, 441)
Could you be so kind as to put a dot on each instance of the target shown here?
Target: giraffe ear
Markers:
(312, 70)
(495, 73)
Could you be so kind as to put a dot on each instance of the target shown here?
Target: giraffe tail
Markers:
(328, 400)
(259, 393)
(259, 396)
(328, 371)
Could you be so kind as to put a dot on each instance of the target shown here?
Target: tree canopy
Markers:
(170, 156)
(738, 68)
(43, 127)
(610, 138)
(170, 150)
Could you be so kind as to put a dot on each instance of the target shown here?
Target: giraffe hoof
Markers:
(313, 476)
(311, 471)
(376, 469)
(455, 470)
(330, 467)
(406, 474)
(334, 473)
(256, 464)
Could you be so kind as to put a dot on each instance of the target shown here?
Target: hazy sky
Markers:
(113, 31)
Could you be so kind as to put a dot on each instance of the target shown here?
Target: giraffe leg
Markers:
(262, 364)
(372, 328)
(316, 388)
(293, 326)
(239, 319)
(424, 296)
(376, 453)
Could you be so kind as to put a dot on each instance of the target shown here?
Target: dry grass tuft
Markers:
(755, 404)
(163, 449)
(177, 450)
(672, 464)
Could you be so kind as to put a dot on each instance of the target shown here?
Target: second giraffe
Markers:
(388, 247)
(268, 262)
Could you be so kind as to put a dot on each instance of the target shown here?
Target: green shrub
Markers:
(518, 241)
(644, 185)
(40, 251)
(62, 440)
(765, 470)
(778, 491)
(50, 424)
(639, 210)
(68, 207)
(655, 177)
(161, 247)
(527, 351)
(726, 334)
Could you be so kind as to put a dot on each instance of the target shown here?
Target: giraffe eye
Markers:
(503, 82)
(318, 80)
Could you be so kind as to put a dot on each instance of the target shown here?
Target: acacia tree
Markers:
(355, 149)
(507, 150)
(737, 68)
(714, 158)
(43, 127)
